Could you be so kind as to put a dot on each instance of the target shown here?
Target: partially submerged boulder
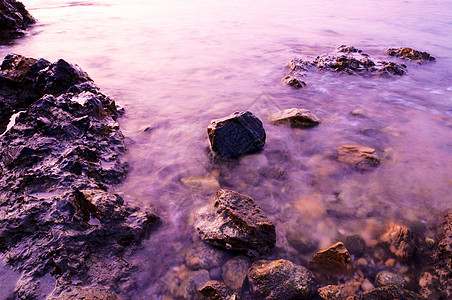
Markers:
(280, 279)
(237, 223)
(14, 19)
(334, 260)
(237, 134)
(401, 241)
(361, 157)
(410, 54)
(296, 117)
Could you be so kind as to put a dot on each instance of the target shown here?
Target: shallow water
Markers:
(175, 65)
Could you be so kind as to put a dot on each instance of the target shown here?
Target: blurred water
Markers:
(176, 64)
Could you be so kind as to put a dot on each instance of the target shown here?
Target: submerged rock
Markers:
(182, 283)
(57, 217)
(203, 256)
(339, 292)
(389, 292)
(334, 260)
(401, 241)
(293, 82)
(234, 272)
(388, 278)
(296, 117)
(217, 290)
(237, 223)
(280, 279)
(410, 54)
(14, 19)
(237, 134)
(362, 157)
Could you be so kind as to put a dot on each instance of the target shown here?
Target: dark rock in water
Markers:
(410, 54)
(14, 19)
(238, 223)
(436, 275)
(389, 292)
(334, 260)
(236, 134)
(182, 283)
(280, 279)
(401, 241)
(57, 218)
(388, 278)
(296, 117)
(362, 157)
(217, 290)
(293, 82)
(355, 244)
(339, 292)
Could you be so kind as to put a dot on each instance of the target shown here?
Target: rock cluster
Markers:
(57, 162)
(14, 19)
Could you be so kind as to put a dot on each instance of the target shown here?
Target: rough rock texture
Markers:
(234, 272)
(401, 241)
(339, 292)
(410, 54)
(280, 279)
(334, 260)
(236, 134)
(361, 157)
(436, 276)
(293, 81)
(389, 292)
(217, 290)
(389, 278)
(238, 223)
(14, 19)
(296, 117)
(57, 162)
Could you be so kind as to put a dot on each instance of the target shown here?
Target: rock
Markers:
(217, 290)
(82, 293)
(300, 240)
(182, 283)
(202, 256)
(296, 117)
(293, 82)
(57, 217)
(335, 260)
(234, 272)
(237, 223)
(410, 54)
(389, 292)
(388, 278)
(280, 279)
(14, 19)
(401, 241)
(361, 157)
(237, 134)
(355, 244)
(339, 292)
(366, 285)
(358, 112)
(208, 184)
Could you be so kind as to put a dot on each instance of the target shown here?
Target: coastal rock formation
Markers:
(236, 134)
(296, 117)
(362, 157)
(14, 19)
(57, 162)
(237, 223)
(410, 54)
(280, 279)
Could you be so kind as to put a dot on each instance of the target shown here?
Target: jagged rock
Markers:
(388, 278)
(236, 134)
(14, 19)
(238, 223)
(389, 292)
(410, 54)
(334, 260)
(293, 82)
(339, 292)
(57, 162)
(280, 279)
(296, 117)
(361, 157)
(401, 241)
(234, 272)
(217, 290)
(203, 256)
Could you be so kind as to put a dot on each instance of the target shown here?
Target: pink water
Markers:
(174, 65)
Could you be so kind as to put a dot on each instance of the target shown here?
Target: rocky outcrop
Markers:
(410, 54)
(236, 134)
(361, 157)
(57, 163)
(389, 292)
(237, 223)
(280, 279)
(334, 260)
(296, 117)
(401, 241)
(14, 19)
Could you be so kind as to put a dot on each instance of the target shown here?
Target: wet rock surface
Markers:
(296, 117)
(217, 290)
(58, 161)
(389, 292)
(401, 241)
(14, 19)
(410, 54)
(293, 81)
(280, 279)
(183, 283)
(334, 260)
(361, 157)
(203, 256)
(237, 134)
(237, 223)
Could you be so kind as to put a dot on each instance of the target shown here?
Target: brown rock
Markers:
(355, 244)
(339, 292)
(335, 260)
(293, 82)
(410, 54)
(234, 272)
(83, 293)
(388, 278)
(296, 117)
(217, 290)
(362, 157)
(401, 241)
(203, 256)
(184, 283)
(389, 292)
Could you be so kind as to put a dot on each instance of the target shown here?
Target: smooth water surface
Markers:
(174, 65)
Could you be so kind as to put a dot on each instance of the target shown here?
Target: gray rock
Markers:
(296, 117)
(388, 278)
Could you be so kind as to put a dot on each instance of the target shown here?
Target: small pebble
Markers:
(361, 261)
(366, 285)
(390, 263)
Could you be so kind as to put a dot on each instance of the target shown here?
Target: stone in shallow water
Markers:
(388, 278)
(335, 260)
(339, 292)
(237, 223)
(401, 241)
(203, 256)
(280, 279)
(410, 54)
(217, 290)
(296, 117)
(234, 272)
(362, 157)
(389, 292)
(236, 134)
(293, 82)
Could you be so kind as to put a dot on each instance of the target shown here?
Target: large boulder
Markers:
(14, 19)
(217, 290)
(280, 279)
(236, 134)
(237, 223)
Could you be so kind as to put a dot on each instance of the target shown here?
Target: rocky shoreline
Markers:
(14, 20)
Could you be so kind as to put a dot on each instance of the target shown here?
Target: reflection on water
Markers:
(175, 65)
